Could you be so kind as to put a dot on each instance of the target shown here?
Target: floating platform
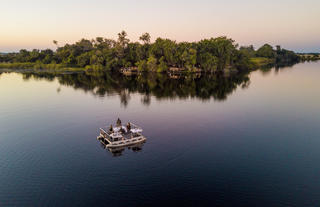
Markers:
(122, 136)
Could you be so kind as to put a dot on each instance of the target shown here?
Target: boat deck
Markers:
(127, 135)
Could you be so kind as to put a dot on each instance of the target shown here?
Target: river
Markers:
(246, 140)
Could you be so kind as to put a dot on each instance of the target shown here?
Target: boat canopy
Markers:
(135, 128)
(117, 129)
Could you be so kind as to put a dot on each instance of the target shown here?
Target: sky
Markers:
(28, 24)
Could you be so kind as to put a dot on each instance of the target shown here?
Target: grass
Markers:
(261, 61)
(40, 67)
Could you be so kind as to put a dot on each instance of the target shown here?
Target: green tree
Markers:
(122, 39)
(208, 62)
(266, 51)
(152, 64)
(248, 50)
(162, 67)
(142, 65)
(122, 43)
(145, 38)
(55, 42)
(189, 58)
(83, 59)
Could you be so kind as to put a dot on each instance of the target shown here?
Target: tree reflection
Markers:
(160, 86)
(267, 69)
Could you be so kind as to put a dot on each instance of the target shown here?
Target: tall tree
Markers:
(55, 42)
(145, 38)
(266, 51)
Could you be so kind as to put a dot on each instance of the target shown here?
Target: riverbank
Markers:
(262, 61)
(256, 62)
(38, 67)
(33, 67)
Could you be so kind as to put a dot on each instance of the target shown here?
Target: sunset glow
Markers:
(34, 23)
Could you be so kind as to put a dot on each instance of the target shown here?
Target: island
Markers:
(214, 55)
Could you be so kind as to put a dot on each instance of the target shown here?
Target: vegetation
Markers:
(261, 60)
(309, 56)
(267, 55)
(209, 55)
(37, 65)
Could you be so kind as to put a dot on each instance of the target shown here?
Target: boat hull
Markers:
(123, 143)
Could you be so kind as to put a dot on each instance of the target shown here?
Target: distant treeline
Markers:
(209, 55)
(309, 56)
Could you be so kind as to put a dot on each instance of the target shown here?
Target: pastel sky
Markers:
(294, 24)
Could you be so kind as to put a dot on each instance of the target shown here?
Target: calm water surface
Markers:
(253, 140)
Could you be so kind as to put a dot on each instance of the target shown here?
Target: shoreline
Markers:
(260, 63)
(32, 70)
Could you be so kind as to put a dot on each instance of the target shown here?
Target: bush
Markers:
(162, 67)
(152, 64)
(142, 65)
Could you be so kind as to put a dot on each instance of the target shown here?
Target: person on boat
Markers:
(111, 129)
(118, 123)
(122, 130)
(128, 126)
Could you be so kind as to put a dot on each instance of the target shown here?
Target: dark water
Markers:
(249, 140)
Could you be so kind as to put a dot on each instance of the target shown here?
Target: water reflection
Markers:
(116, 152)
(161, 86)
(267, 69)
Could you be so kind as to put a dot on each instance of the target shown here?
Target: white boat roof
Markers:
(134, 128)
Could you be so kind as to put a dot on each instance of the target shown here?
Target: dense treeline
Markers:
(210, 55)
(266, 53)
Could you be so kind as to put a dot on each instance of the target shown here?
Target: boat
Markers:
(121, 136)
